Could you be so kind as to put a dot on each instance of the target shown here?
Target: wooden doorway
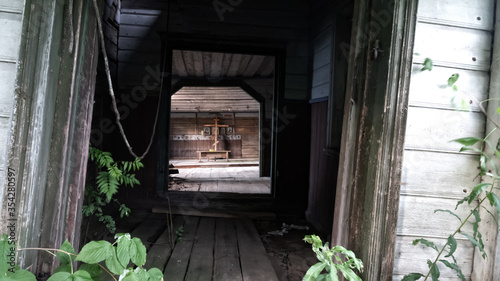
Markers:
(236, 91)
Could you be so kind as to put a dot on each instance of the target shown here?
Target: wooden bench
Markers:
(215, 154)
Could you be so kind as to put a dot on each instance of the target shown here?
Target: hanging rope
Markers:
(111, 91)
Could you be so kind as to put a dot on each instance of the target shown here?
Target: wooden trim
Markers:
(489, 268)
(373, 134)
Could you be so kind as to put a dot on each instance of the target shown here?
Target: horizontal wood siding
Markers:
(457, 36)
(243, 142)
(11, 16)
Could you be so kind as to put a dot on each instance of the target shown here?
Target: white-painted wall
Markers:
(457, 36)
(11, 15)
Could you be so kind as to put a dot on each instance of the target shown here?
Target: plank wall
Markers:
(185, 128)
(457, 36)
(11, 15)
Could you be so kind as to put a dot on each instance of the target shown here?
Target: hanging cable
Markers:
(111, 91)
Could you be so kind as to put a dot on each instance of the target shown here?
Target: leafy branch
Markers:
(468, 144)
(325, 255)
(116, 258)
(111, 175)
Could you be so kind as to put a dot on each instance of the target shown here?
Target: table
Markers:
(214, 154)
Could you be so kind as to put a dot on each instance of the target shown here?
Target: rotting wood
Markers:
(160, 251)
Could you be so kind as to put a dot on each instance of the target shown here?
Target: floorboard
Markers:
(226, 255)
(179, 261)
(255, 265)
(228, 179)
(202, 259)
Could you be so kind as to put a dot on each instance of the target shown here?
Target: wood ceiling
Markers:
(213, 99)
(197, 64)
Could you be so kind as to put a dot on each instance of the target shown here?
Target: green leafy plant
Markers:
(445, 254)
(325, 255)
(179, 232)
(111, 175)
(124, 259)
(481, 194)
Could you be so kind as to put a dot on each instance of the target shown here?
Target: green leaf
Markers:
(20, 275)
(137, 252)
(155, 274)
(113, 264)
(5, 251)
(465, 199)
(82, 275)
(412, 277)
(434, 270)
(65, 267)
(63, 257)
(314, 272)
(469, 141)
(454, 267)
(61, 276)
(428, 64)
(426, 243)
(449, 212)
(477, 191)
(94, 270)
(349, 274)
(474, 242)
(95, 252)
(494, 201)
(123, 250)
(452, 242)
(453, 79)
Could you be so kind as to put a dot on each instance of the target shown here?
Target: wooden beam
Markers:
(245, 60)
(253, 65)
(198, 64)
(234, 66)
(178, 63)
(216, 65)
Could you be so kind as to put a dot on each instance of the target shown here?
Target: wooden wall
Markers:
(457, 37)
(186, 137)
(11, 15)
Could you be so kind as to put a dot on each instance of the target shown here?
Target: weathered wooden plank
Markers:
(255, 264)
(438, 174)
(178, 262)
(321, 76)
(322, 57)
(149, 230)
(245, 60)
(429, 88)
(226, 62)
(470, 14)
(137, 32)
(178, 63)
(189, 62)
(234, 66)
(253, 65)
(8, 77)
(413, 208)
(160, 252)
(433, 129)
(138, 19)
(10, 29)
(198, 64)
(142, 44)
(216, 64)
(226, 255)
(459, 47)
(414, 258)
(15, 6)
(202, 258)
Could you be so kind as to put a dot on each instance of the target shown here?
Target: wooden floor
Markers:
(233, 179)
(209, 249)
